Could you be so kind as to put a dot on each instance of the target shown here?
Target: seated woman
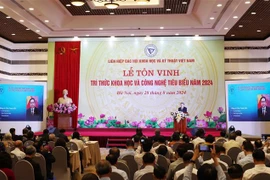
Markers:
(6, 165)
(77, 140)
(7, 140)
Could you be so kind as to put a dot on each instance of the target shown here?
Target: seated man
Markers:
(148, 162)
(159, 173)
(231, 142)
(116, 152)
(239, 137)
(199, 137)
(258, 144)
(18, 151)
(235, 172)
(112, 159)
(179, 153)
(162, 150)
(30, 152)
(130, 149)
(187, 157)
(14, 136)
(248, 150)
(162, 142)
(49, 158)
(259, 160)
(62, 134)
(156, 136)
(52, 137)
(103, 169)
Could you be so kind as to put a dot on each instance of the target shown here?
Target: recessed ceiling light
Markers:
(131, 34)
(177, 34)
(27, 29)
(247, 2)
(75, 37)
(219, 5)
(184, 2)
(235, 17)
(46, 21)
(259, 30)
(240, 26)
(111, 13)
(212, 18)
(226, 28)
(266, 0)
(39, 37)
(31, 9)
(253, 13)
(87, 11)
(101, 29)
(233, 35)
(22, 20)
(13, 34)
(196, 35)
(112, 37)
(168, 9)
(68, 5)
(37, 30)
(144, 12)
(161, 27)
(8, 17)
(87, 35)
(1, 7)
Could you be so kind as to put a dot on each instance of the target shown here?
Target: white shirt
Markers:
(173, 166)
(182, 171)
(240, 140)
(20, 154)
(247, 159)
(79, 143)
(197, 141)
(121, 172)
(259, 168)
(127, 152)
(240, 156)
(138, 156)
(168, 148)
(138, 174)
(211, 161)
(231, 143)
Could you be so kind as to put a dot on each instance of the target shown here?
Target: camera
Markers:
(205, 148)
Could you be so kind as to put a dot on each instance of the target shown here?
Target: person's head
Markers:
(19, 144)
(258, 144)
(148, 159)
(219, 150)
(65, 92)
(207, 171)
(175, 136)
(210, 139)
(162, 150)
(248, 147)
(238, 133)
(45, 131)
(12, 131)
(25, 131)
(186, 138)
(52, 137)
(90, 176)
(2, 147)
(76, 135)
(222, 150)
(180, 152)
(130, 144)
(62, 131)
(161, 140)
(112, 159)
(223, 133)
(235, 172)
(263, 101)
(187, 157)
(30, 135)
(139, 132)
(137, 138)
(28, 127)
(115, 151)
(182, 104)
(32, 102)
(60, 142)
(103, 168)
(200, 133)
(147, 145)
(5, 160)
(157, 132)
(159, 173)
(232, 136)
(45, 149)
(30, 151)
(258, 156)
(8, 137)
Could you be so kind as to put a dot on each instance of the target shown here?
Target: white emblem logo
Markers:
(150, 50)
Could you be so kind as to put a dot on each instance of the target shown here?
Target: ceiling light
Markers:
(240, 26)
(75, 37)
(46, 21)
(112, 37)
(142, 1)
(68, 5)
(235, 17)
(247, 2)
(226, 28)
(39, 37)
(144, 12)
(87, 11)
(87, 35)
(77, 2)
(27, 29)
(184, 2)
(111, 5)
(13, 34)
(31, 9)
(233, 35)
(196, 35)
(21, 20)
(161, 27)
(101, 29)
(219, 5)
(37, 30)
(259, 30)
(253, 13)
(1, 7)
(131, 34)
(212, 18)
(168, 9)
(8, 17)
(111, 13)
(177, 34)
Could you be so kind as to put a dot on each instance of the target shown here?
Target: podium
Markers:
(64, 121)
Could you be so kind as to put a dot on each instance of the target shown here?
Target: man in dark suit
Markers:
(264, 110)
(33, 113)
(182, 108)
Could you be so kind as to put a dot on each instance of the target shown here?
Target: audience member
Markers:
(7, 140)
(148, 162)
(159, 173)
(186, 157)
(209, 139)
(162, 150)
(156, 136)
(18, 151)
(136, 140)
(52, 137)
(248, 150)
(45, 151)
(115, 151)
(129, 149)
(239, 137)
(24, 136)
(162, 142)
(30, 152)
(139, 133)
(30, 136)
(259, 160)
(174, 139)
(6, 165)
(62, 135)
(185, 143)
(2, 147)
(61, 142)
(179, 153)
(103, 169)
(223, 134)
(235, 172)
(258, 144)
(199, 137)
(112, 159)
(14, 136)
(76, 139)
(241, 155)
(231, 142)
(222, 150)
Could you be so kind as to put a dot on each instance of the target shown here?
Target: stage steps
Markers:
(116, 142)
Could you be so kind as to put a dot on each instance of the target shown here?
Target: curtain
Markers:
(67, 74)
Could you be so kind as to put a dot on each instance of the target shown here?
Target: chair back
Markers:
(194, 177)
(174, 147)
(72, 146)
(124, 167)
(51, 144)
(3, 176)
(248, 166)
(206, 156)
(59, 167)
(147, 176)
(90, 176)
(227, 159)
(24, 170)
(162, 161)
(220, 142)
(179, 167)
(261, 176)
(155, 144)
(14, 160)
(39, 158)
(233, 153)
(132, 165)
(28, 143)
(267, 162)
(116, 176)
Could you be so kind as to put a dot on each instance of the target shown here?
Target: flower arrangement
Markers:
(61, 108)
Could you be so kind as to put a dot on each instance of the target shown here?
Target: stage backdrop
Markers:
(138, 82)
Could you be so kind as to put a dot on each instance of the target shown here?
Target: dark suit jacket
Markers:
(184, 109)
(63, 136)
(36, 167)
(37, 116)
(266, 116)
